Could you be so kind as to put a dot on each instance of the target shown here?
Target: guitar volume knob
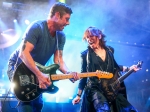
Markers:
(33, 94)
(28, 89)
(28, 97)
(22, 92)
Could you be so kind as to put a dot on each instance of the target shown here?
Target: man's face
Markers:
(93, 41)
(63, 21)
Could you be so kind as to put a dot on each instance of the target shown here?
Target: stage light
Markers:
(7, 4)
(2, 91)
(57, 99)
(10, 95)
(70, 98)
(27, 22)
(12, 85)
(15, 20)
(64, 1)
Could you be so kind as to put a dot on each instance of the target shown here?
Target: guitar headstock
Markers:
(139, 64)
(102, 74)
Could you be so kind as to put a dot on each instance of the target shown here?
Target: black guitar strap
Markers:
(57, 47)
(115, 63)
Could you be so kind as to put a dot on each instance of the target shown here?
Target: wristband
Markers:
(68, 72)
(78, 95)
(127, 69)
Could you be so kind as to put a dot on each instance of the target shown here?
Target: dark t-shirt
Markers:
(44, 44)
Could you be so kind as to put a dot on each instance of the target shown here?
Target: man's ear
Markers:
(57, 15)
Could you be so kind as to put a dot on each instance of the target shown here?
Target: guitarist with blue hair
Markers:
(102, 95)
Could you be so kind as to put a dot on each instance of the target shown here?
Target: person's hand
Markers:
(76, 100)
(75, 76)
(44, 81)
(135, 68)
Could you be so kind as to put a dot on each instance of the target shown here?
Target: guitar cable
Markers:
(5, 98)
(2, 103)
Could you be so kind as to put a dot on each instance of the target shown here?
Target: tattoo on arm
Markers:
(24, 45)
(60, 53)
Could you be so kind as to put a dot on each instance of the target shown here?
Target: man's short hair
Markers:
(62, 8)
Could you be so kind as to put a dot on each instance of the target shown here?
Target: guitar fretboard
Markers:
(82, 75)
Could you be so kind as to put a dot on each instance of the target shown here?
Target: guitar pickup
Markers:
(24, 80)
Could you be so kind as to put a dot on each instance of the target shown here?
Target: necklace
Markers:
(101, 53)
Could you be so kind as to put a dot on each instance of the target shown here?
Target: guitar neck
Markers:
(81, 75)
(129, 72)
(122, 78)
(69, 76)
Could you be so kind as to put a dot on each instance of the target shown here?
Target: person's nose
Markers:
(67, 23)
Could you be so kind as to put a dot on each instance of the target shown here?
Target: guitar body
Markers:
(117, 85)
(112, 87)
(26, 85)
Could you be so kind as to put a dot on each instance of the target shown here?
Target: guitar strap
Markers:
(115, 63)
(87, 60)
(57, 47)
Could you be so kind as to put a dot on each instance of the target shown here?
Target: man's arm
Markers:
(58, 59)
(26, 57)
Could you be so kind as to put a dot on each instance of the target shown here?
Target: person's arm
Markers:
(77, 99)
(127, 68)
(26, 57)
(81, 86)
(124, 68)
(58, 59)
(82, 81)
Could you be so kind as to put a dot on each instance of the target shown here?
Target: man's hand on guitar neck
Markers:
(44, 81)
(75, 76)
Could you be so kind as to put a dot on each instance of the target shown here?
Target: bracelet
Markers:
(78, 95)
(68, 72)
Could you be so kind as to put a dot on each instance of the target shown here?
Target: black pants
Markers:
(95, 101)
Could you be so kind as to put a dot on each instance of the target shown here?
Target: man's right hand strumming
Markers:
(44, 81)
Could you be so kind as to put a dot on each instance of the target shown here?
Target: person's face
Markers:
(93, 41)
(63, 21)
